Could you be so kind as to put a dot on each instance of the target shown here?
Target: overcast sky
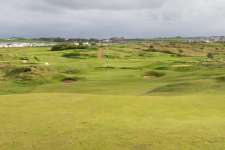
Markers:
(107, 18)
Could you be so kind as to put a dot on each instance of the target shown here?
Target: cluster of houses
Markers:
(23, 44)
(206, 39)
(44, 42)
(83, 43)
(89, 42)
(6, 45)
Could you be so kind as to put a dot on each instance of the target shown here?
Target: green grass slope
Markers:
(93, 122)
(128, 69)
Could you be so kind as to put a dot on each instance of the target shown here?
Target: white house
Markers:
(76, 43)
(86, 43)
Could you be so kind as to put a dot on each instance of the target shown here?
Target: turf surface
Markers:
(134, 99)
(74, 121)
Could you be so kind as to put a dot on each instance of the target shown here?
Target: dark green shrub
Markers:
(210, 55)
(72, 79)
(154, 73)
(162, 67)
(72, 55)
(151, 47)
(62, 47)
(180, 51)
(24, 58)
(221, 79)
(71, 71)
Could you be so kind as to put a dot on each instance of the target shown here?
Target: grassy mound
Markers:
(176, 87)
(184, 67)
(28, 73)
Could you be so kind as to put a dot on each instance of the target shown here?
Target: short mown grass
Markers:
(74, 121)
(134, 98)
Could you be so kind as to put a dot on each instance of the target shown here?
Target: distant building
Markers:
(76, 43)
(85, 43)
(206, 39)
(118, 40)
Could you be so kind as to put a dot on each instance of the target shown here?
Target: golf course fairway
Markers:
(56, 121)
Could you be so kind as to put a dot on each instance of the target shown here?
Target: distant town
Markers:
(44, 42)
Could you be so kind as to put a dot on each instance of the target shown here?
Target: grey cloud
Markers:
(104, 18)
(103, 4)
